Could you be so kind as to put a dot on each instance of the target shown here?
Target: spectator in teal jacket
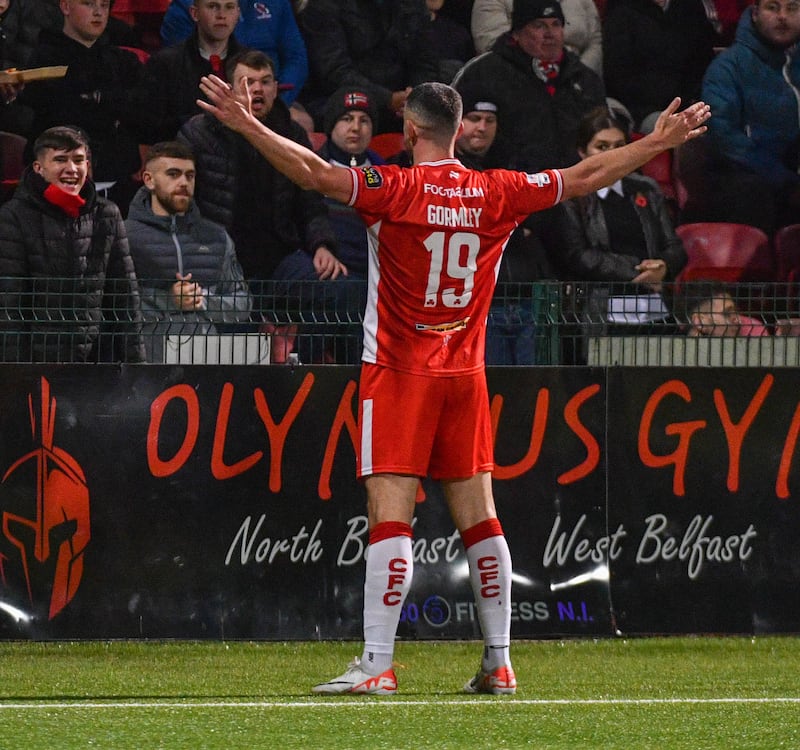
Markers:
(753, 89)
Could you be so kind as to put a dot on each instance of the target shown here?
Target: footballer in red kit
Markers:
(436, 233)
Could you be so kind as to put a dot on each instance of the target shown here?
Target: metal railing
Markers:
(543, 323)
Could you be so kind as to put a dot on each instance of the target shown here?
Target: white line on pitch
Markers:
(356, 703)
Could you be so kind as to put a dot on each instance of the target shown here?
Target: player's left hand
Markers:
(674, 127)
(223, 104)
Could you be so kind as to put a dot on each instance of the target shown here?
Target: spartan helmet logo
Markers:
(45, 504)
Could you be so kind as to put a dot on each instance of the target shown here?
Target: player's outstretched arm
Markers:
(301, 165)
(671, 130)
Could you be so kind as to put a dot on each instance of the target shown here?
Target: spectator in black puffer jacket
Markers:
(20, 24)
(68, 289)
(283, 235)
(269, 218)
(99, 94)
(385, 46)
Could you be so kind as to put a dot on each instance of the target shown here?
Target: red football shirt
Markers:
(436, 234)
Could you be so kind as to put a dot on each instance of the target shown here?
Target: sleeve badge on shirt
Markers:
(540, 179)
(372, 177)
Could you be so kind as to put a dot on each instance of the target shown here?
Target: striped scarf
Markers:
(548, 71)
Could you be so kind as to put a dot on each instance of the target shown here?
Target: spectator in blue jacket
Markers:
(753, 89)
(269, 27)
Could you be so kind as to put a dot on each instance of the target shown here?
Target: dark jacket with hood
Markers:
(64, 281)
(753, 89)
(163, 246)
(540, 128)
(267, 215)
(171, 84)
(98, 95)
(652, 55)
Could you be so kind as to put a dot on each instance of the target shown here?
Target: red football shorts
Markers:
(423, 426)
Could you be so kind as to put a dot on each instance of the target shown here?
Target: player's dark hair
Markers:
(437, 107)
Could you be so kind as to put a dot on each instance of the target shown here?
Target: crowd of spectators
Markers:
(544, 84)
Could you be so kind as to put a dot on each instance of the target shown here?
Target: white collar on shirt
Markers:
(616, 187)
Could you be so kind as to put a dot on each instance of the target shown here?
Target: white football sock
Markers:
(388, 578)
(490, 576)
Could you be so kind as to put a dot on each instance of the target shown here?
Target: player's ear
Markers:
(410, 131)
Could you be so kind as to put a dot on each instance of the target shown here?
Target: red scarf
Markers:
(70, 204)
(548, 72)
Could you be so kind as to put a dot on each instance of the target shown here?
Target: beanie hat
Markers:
(346, 100)
(477, 99)
(525, 11)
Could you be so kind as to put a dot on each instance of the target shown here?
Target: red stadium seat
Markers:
(142, 54)
(787, 253)
(659, 168)
(726, 251)
(12, 148)
(317, 139)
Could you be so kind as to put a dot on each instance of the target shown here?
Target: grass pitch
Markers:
(636, 694)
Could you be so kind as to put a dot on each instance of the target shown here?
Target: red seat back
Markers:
(743, 251)
(787, 252)
(142, 54)
(317, 139)
(659, 168)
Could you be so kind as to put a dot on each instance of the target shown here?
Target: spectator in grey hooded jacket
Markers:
(190, 276)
